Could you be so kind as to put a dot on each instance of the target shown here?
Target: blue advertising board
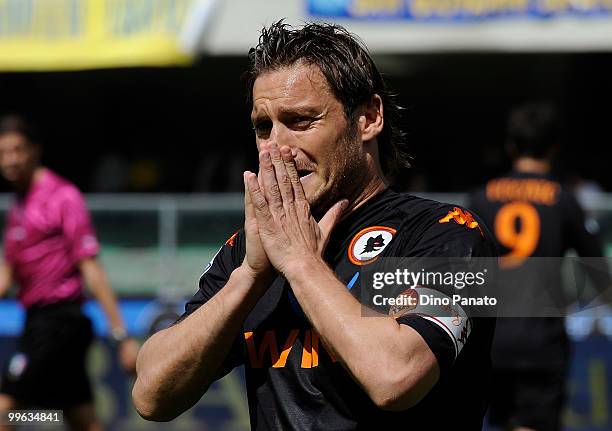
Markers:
(458, 10)
(224, 408)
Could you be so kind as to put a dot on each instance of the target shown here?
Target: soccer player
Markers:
(282, 295)
(532, 215)
(50, 249)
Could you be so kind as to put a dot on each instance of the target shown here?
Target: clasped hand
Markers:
(280, 229)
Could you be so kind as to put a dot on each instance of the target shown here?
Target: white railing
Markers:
(165, 265)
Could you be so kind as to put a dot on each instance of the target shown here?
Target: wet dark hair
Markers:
(348, 68)
(17, 124)
(533, 130)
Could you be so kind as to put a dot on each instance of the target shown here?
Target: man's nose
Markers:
(278, 134)
(281, 136)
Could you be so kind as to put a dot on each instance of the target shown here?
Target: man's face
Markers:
(294, 106)
(18, 157)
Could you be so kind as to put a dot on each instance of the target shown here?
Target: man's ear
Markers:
(371, 119)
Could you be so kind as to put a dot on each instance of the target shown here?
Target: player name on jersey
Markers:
(532, 189)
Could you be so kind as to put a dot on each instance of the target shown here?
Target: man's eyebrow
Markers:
(299, 110)
(288, 111)
(258, 116)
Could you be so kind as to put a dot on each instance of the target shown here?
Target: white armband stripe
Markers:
(439, 309)
(446, 329)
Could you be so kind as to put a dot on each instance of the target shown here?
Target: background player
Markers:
(50, 248)
(532, 215)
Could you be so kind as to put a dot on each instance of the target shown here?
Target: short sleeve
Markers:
(446, 334)
(216, 273)
(76, 225)
(214, 277)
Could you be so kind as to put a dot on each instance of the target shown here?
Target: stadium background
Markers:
(141, 104)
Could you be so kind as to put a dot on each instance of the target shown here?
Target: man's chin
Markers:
(313, 195)
(321, 200)
(319, 204)
(315, 205)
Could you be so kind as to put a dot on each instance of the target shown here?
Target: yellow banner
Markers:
(82, 34)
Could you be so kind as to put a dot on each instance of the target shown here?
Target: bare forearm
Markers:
(352, 336)
(335, 314)
(4, 288)
(108, 301)
(6, 279)
(98, 284)
(176, 365)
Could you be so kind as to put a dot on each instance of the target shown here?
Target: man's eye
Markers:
(302, 123)
(263, 129)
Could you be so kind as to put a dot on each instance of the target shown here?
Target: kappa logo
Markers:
(230, 243)
(231, 239)
(462, 217)
(369, 243)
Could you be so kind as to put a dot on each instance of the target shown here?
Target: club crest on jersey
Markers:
(462, 217)
(369, 243)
